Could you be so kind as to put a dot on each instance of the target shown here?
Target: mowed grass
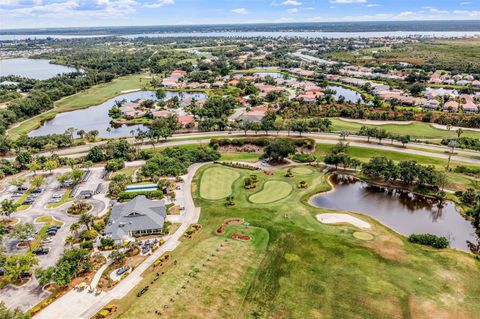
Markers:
(272, 191)
(302, 170)
(239, 156)
(418, 130)
(308, 270)
(211, 283)
(217, 182)
(90, 97)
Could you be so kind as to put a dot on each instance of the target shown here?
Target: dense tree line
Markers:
(409, 172)
(174, 161)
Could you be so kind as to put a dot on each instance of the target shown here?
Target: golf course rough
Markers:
(216, 182)
(272, 191)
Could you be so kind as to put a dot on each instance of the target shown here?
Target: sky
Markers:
(78, 13)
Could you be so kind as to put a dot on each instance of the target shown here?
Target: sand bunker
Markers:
(342, 218)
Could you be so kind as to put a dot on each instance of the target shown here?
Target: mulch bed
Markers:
(227, 222)
(241, 237)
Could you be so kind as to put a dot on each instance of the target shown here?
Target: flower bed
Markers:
(192, 230)
(227, 222)
(241, 237)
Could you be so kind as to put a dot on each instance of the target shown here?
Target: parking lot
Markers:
(51, 191)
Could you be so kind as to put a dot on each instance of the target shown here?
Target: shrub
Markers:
(429, 240)
(86, 244)
(115, 164)
(304, 158)
(89, 234)
(131, 195)
(79, 208)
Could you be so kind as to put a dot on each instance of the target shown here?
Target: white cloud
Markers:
(465, 3)
(372, 5)
(348, 1)
(435, 10)
(467, 13)
(240, 11)
(293, 10)
(287, 3)
(159, 3)
(291, 3)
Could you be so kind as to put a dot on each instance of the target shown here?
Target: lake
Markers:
(349, 94)
(39, 69)
(96, 117)
(401, 211)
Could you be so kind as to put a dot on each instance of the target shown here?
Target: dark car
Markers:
(2, 271)
(56, 227)
(122, 270)
(51, 232)
(36, 190)
(22, 188)
(41, 251)
(25, 274)
(28, 201)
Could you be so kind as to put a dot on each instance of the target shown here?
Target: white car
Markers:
(47, 240)
(54, 200)
(57, 195)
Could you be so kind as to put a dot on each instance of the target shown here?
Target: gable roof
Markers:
(138, 214)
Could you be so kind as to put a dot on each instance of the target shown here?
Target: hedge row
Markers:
(149, 194)
(261, 141)
(429, 240)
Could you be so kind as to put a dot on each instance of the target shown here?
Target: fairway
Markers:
(92, 96)
(271, 192)
(302, 170)
(418, 130)
(217, 182)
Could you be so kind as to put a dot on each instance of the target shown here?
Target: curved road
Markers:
(436, 151)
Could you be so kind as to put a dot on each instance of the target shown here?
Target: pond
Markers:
(401, 211)
(96, 117)
(349, 94)
(39, 69)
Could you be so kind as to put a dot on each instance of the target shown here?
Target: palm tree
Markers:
(452, 145)
(86, 219)
(74, 228)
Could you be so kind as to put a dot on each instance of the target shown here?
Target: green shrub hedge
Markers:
(429, 240)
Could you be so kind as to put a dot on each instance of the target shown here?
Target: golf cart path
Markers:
(82, 304)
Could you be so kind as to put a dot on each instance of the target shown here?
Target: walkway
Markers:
(83, 304)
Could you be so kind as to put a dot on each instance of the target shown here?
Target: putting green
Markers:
(363, 235)
(217, 182)
(302, 170)
(271, 192)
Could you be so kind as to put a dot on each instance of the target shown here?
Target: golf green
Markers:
(271, 192)
(363, 235)
(302, 170)
(217, 182)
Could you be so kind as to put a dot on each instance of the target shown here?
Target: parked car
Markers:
(56, 227)
(36, 191)
(25, 274)
(22, 188)
(51, 232)
(56, 195)
(54, 200)
(122, 270)
(47, 240)
(41, 251)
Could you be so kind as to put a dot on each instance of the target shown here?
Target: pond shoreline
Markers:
(403, 211)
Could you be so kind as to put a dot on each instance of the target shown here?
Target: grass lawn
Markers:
(308, 270)
(302, 170)
(217, 182)
(48, 219)
(65, 199)
(239, 156)
(272, 191)
(417, 130)
(93, 96)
